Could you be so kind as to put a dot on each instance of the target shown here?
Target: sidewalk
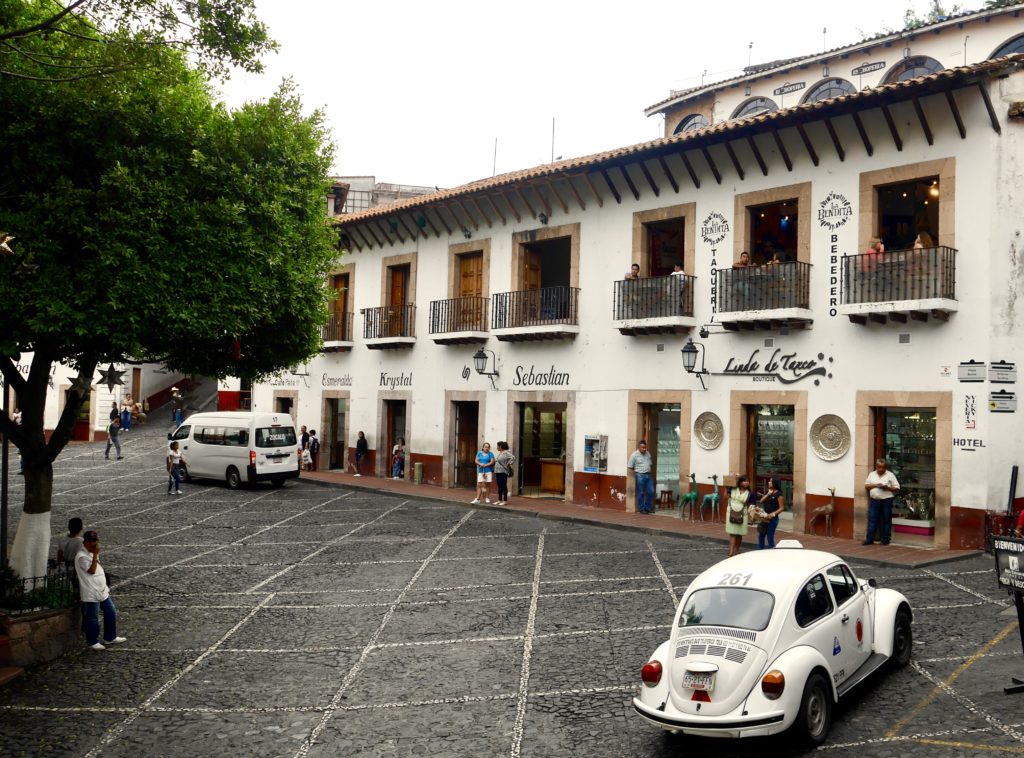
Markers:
(659, 523)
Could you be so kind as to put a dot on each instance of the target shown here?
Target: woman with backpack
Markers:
(504, 467)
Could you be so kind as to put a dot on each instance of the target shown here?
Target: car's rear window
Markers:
(740, 607)
(275, 436)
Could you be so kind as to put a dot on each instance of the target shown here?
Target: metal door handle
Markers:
(845, 618)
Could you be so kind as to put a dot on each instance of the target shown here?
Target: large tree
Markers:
(151, 223)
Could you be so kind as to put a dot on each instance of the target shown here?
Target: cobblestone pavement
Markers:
(317, 621)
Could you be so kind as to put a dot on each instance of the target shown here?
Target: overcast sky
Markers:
(417, 92)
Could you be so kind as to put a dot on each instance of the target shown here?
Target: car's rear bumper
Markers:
(253, 476)
(712, 726)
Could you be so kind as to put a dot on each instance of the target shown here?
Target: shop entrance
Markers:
(284, 404)
(905, 437)
(395, 427)
(660, 427)
(770, 435)
(467, 416)
(542, 446)
(334, 434)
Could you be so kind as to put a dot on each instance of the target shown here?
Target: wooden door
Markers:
(339, 307)
(466, 421)
(750, 457)
(468, 313)
(137, 385)
(532, 284)
(397, 299)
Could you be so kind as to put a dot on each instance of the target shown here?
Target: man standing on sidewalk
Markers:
(640, 462)
(881, 487)
(92, 585)
(112, 438)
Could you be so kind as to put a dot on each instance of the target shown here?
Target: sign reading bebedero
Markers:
(833, 213)
(713, 231)
(1009, 554)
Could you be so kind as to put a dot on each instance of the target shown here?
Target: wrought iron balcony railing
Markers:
(656, 297)
(338, 328)
(900, 275)
(460, 314)
(762, 288)
(389, 321)
(539, 307)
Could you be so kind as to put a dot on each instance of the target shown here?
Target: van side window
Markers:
(236, 437)
(210, 435)
(182, 432)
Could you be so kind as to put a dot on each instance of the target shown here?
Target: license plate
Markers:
(695, 681)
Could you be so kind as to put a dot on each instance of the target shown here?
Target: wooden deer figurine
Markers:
(689, 498)
(711, 501)
(826, 511)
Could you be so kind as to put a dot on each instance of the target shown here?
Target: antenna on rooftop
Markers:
(552, 139)
(494, 166)
(824, 37)
(702, 75)
(750, 52)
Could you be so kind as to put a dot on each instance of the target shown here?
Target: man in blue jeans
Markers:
(92, 586)
(640, 462)
(882, 488)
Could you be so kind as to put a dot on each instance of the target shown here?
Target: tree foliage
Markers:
(112, 35)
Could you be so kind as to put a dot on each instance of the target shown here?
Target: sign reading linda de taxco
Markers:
(1009, 553)
(786, 367)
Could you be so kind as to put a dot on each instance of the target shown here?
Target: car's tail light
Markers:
(701, 696)
(252, 457)
(772, 684)
(651, 673)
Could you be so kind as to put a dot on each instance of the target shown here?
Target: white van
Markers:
(239, 446)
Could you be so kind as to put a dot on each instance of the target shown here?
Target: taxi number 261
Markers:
(734, 580)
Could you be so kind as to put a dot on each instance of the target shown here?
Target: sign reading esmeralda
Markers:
(1009, 552)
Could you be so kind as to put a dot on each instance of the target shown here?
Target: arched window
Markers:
(1015, 45)
(911, 68)
(691, 123)
(754, 106)
(828, 88)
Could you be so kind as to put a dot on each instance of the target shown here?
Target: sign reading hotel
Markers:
(780, 366)
(1009, 553)
(785, 89)
(867, 68)
(971, 371)
(1001, 372)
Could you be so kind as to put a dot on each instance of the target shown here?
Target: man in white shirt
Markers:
(881, 487)
(640, 463)
(92, 586)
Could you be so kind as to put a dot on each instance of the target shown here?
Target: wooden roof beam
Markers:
(414, 231)
(629, 182)
(782, 150)
(668, 174)
(369, 228)
(393, 226)
(650, 179)
(807, 143)
(608, 181)
(593, 190)
(543, 200)
(561, 202)
(362, 236)
(484, 214)
(892, 128)
(576, 193)
(757, 155)
(924, 121)
(428, 222)
(835, 139)
(711, 164)
(512, 206)
(735, 161)
(467, 214)
(522, 196)
(441, 218)
(956, 114)
(690, 171)
(863, 134)
(495, 208)
(384, 231)
(349, 234)
(988, 106)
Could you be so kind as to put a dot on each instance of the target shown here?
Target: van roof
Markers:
(244, 417)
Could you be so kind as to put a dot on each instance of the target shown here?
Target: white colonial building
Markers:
(814, 366)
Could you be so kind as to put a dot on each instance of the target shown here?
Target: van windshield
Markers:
(275, 436)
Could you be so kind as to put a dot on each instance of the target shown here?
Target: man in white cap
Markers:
(179, 406)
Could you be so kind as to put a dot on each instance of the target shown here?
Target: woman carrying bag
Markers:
(740, 498)
(772, 502)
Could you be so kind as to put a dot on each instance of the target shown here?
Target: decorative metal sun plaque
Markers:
(830, 437)
(708, 430)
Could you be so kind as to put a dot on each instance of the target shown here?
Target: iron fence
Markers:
(655, 297)
(389, 321)
(900, 275)
(58, 588)
(759, 288)
(338, 328)
(460, 314)
(539, 307)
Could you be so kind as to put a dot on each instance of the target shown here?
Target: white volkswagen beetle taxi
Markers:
(768, 641)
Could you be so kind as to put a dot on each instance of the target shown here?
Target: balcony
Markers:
(389, 327)
(337, 333)
(897, 285)
(764, 297)
(658, 305)
(549, 313)
(459, 321)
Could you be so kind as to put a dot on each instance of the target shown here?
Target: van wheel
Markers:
(233, 478)
(185, 475)
(815, 716)
(902, 640)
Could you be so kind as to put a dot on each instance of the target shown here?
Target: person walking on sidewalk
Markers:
(92, 586)
(504, 466)
(640, 463)
(484, 473)
(174, 461)
(362, 451)
(314, 450)
(113, 438)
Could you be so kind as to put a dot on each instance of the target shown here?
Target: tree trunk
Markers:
(31, 545)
